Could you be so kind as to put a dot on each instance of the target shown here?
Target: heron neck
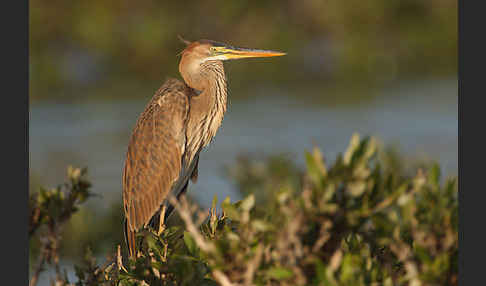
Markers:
(216, 86)
(210, 89)
(206, 109)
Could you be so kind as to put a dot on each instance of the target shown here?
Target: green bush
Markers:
(356, 222)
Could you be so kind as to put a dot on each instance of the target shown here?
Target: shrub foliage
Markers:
(355, 222)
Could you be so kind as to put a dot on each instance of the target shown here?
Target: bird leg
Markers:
(162, 220)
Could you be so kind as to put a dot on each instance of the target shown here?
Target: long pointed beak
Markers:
(230, 53)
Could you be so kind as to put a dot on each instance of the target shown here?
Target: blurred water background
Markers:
(420, 118)
(382, 68)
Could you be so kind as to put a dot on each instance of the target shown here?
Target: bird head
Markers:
(192, 67)
(208, 50)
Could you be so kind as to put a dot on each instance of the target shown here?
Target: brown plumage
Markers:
(180, 119)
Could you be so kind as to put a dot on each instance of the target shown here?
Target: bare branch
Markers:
(39, 268)
(221, 278)
(186, 215)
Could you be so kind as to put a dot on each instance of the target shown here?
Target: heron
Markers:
(178, 122)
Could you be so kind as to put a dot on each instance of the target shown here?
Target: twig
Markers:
(185, 214)
(323, 237)
(34, 220)
(119, 261)
(253, 265)
(162, 220)
(221, 278)
(39, 268)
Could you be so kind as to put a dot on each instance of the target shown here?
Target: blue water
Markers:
(419, 117)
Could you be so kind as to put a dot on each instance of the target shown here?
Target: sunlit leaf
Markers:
(279, 273)
(248, 203)
(353, 145)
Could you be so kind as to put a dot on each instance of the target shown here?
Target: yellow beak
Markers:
(230, 53)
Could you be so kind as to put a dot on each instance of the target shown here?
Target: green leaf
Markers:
(356, 189)
(279, 273)
(434, 176)
(353, 146)
(230, 211)
(320, 270)
(370, 148)
(232, 236)
(346, 268)
(316, 167)
(248, 203)
(190, 243)
(260, 225)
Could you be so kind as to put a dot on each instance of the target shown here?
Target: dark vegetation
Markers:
(361, 221)
(112, 49)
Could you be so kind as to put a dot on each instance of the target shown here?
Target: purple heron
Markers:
(180, 119)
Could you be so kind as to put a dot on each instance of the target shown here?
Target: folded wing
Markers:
(153, 159)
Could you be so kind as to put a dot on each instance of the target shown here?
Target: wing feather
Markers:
(153, 159)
